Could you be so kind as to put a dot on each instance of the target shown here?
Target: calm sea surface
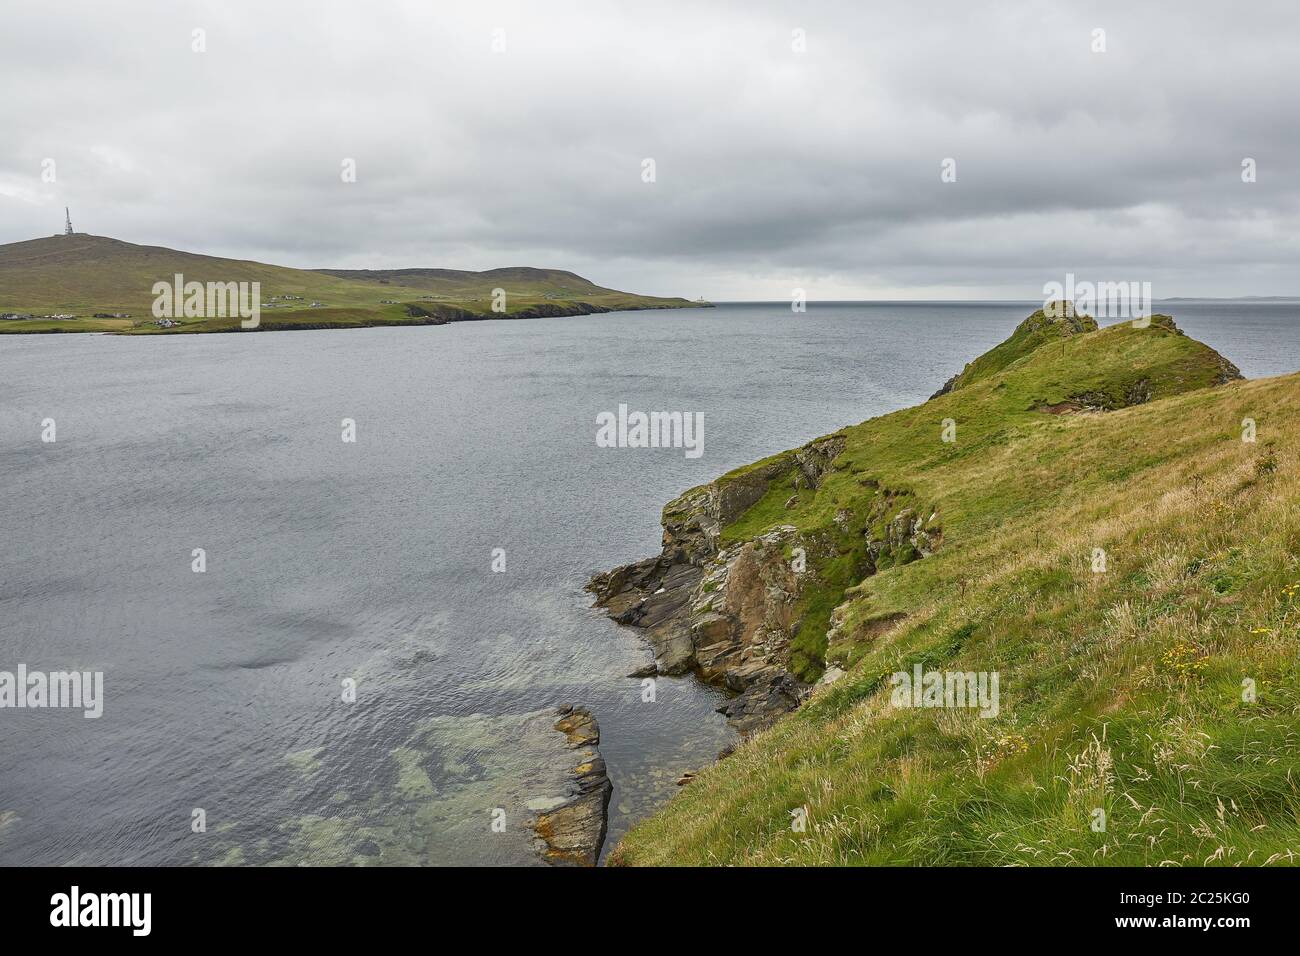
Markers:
(373, 561)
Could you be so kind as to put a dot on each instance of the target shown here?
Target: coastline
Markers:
(78, 282)
(444, 316)
(725, 611)
(766, 582)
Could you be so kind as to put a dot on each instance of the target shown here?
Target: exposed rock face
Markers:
(1227, 372)
(730, 620)
(773, 693)
(728, 615)
(947, 386)
(907, 535)
(572, 833)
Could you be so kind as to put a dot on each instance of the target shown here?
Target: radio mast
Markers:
(67, 229)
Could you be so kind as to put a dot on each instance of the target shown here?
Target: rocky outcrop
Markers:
(572, 832)
(948, 386)
(1137, 393)
(906, 536)
(1227, 372)
(726, 614)
(774, 693)
(729, 620)
(729, 613)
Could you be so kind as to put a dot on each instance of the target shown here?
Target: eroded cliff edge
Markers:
(731, 607)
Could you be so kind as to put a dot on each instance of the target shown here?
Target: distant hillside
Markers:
(540, 287)
(84, 275)
(455, 279)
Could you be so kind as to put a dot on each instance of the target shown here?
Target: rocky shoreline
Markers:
(726, 613)
(417, 315)
(765, 608)
(571, 829)
(441, 314)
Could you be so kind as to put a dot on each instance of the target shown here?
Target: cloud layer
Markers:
(775, 168)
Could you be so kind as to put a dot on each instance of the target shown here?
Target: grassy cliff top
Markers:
(1018, 391)
(1058, 321)
(1107, 543)
(83, 275)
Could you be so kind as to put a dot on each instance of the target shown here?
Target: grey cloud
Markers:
(775, 169)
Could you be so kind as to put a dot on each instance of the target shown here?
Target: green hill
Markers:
(537, 289)
(1036, 330)
(85, 275)
(1099, 536)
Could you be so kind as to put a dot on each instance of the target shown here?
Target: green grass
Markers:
(1038, 329)
(1120, 691)
(83, 275)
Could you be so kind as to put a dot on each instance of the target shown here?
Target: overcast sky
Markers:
(775, 168)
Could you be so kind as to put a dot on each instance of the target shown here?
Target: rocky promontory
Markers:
(756, 586)
(1086, 520)
(728, 611)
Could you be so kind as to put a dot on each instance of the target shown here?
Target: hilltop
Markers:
(1076, 513)
(86, 276)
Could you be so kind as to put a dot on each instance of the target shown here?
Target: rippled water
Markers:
(372, 560)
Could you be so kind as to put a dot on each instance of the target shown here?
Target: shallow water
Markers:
(372, 561)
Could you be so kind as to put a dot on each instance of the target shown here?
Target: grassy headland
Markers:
(1162, 690)
(88, 276)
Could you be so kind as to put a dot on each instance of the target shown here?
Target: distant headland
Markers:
(75, 282)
